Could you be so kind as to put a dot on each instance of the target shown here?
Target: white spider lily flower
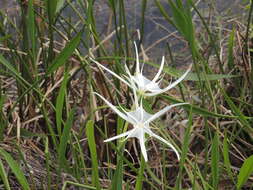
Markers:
(140, 83)
(151, 87)
(140, 120)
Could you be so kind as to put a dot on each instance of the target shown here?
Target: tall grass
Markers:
(52, 126)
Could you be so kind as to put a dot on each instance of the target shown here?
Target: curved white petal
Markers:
(136, 131)
(163, 111)
(142, 145)
(118, 136)
(122, 115)
(153, 87)
(111, 72)
(171, 85)
(130, 117)
(139, 114)
(137, 59)
(164, 141)
(159, 71)
(128, 71)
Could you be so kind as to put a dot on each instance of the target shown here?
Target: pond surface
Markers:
(158, 32)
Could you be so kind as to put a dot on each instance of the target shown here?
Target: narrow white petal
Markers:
(122, 115)
(142, 144)
(131, 81)
(111, 72)
(142, 112)
(127, 71)
(159, 71)
(135, 132)
(142, 67)
(135, 98)
(118, 136)
(137, 59)
(134, 119)
(163, 111)
(171, 85)
(164, 141)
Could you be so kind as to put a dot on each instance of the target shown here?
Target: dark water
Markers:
(157, 31)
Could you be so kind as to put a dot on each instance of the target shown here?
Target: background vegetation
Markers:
(52, 127)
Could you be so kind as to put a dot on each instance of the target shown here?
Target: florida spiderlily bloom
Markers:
(140, 120)
(143, 85)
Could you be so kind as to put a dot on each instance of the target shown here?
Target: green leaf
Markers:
(51, 10)
(65, 54)
(226, 157)
(164, 12)
(192, 76)
(32, 29)
(139, 180)
(59, 5)
(230, 50)
(215, 161)
(4, 176)
(245, 172)
(60, 102)
(241, 117)
(93, 152)
(65, 139)
(185, 149)
(10, 67)
(118, 175)
(15, 169)
(196, 109)
(24, 133)
(179, 18)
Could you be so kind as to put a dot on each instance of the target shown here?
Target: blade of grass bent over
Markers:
(4, 176)
(65, 54)
(245, 172)
(15, 169)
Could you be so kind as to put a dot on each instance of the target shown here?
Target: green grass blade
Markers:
(230, 50)
(164, 13)
(51, 10)
(192, 76)
(4, 176)
(59, 5)
(32, 30)
(47, 162)
(15, 169)
(60, 102)
(196, 109)
(83, 186)
(245, 172)
(179, 18)
(93, 152)
(215, 161)
(177, 73)
(139, 180)
(185, 149)
(118, 175)
(236, 110)
(226, 157)
(3, 120)
(65, 139)
(65, 54)
(13, 71)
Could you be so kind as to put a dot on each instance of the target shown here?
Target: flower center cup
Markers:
(140, 125)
